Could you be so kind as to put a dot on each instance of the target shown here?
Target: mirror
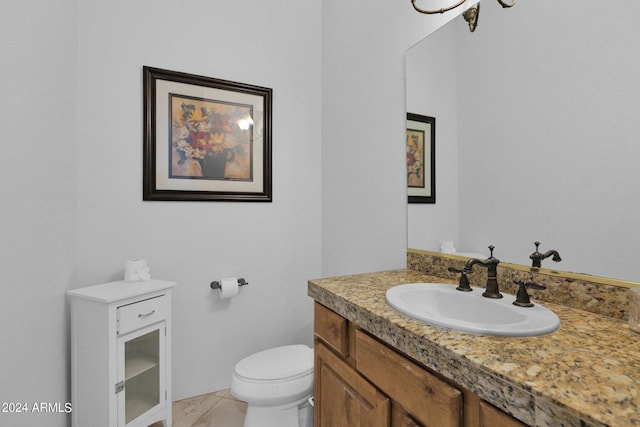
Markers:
(537, 136)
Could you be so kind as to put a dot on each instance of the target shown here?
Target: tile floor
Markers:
(218, 409)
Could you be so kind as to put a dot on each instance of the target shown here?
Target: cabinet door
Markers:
(344, 398)
(401, 418)
(141, 374)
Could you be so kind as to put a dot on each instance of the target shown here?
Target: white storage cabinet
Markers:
(121, 354)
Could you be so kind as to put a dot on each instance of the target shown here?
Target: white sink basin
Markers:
(442, 305)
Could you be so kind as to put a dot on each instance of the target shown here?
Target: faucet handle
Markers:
(463, 285)
(522, 298)
(491, 257)
(491, 248)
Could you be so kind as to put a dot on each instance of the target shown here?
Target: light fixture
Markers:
(470, 15)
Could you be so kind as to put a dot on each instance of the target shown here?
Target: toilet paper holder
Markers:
(216, 285)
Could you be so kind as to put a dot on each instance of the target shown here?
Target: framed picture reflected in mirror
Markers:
(421, 158)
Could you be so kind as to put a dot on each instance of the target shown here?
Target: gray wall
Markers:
(38, 214)
(364, 199)
(275, 246)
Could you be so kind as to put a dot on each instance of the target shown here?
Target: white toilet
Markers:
(277, 384)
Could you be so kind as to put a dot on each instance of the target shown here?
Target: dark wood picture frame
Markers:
(421, 158)
(205, 139)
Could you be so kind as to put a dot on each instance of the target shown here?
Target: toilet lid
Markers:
(277, 363)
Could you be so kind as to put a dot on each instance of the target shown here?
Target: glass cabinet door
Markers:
(141, 373)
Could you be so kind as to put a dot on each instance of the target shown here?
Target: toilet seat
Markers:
(277, 364)
(275, 376)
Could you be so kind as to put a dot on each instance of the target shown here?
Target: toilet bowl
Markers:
(277, 384)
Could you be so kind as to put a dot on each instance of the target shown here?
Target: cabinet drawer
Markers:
(142, 313)
(494, 417)
(427, 398)
(332, 328)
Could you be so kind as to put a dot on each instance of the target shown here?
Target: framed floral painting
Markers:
(205, 139)
(421, 158)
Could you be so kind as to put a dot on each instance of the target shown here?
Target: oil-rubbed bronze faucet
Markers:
(537, 256)
(491, 263)
(463, 285)
(522, 298)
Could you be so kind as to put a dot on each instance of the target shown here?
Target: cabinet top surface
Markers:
(586, 371)
(120, 290)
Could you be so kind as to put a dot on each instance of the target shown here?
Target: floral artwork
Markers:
(210, 139)
(421, 159)
(205, 139)
(415, 158)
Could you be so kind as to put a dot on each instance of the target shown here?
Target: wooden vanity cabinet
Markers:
(359, 381)
(347, 399)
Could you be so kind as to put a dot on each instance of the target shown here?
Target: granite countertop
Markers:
(585, 373)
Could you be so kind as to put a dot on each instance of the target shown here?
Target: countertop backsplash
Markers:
(565, 289)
